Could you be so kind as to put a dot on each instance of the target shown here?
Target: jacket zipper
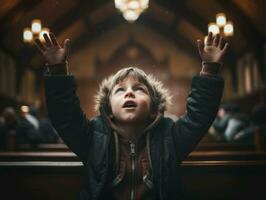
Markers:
(133, 169)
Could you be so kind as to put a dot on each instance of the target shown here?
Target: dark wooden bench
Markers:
(38, 156)
(43, 147)
(227, 155)
(198, 180)
(214, 146)
(196, 155)
(222, 146)
(224, 180)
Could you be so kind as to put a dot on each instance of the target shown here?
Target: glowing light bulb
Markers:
(44, 30)
(130, 15)
(133, 5)
(27, 35)
(220, 19)
(144, 4)
(36, 26)
(212, 27)
(229, 29)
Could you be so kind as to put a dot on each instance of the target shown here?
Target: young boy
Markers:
(131, 151)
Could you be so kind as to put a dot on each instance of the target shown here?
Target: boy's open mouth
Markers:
(129, 104)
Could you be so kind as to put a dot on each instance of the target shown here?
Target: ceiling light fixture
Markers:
(36, 31)
(222, 26)
(131, 9)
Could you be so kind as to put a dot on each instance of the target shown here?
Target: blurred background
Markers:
(158, 36)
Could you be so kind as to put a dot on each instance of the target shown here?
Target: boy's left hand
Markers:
(214, 49)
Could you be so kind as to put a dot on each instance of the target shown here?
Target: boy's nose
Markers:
(129, 93)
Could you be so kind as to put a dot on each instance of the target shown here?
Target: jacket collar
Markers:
(145, 131)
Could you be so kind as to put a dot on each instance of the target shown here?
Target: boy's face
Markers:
(130, 101)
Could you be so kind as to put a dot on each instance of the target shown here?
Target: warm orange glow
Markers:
(27, 35)
(212, 27)
(44, 30)
(36, 31)
(36, 26)
(229, 29)
(131, 9)
(220, 19)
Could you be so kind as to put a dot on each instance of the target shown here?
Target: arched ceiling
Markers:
(182, 21)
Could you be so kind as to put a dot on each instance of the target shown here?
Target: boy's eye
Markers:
(140, 88)
(119, 89)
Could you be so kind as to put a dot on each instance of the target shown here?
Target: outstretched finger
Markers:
(66, 46)
(47, 40)
(39, 45)
(200, 47)
(225, 48)
(221, 43)
(54, 41)
(216, 40)
(209, 39)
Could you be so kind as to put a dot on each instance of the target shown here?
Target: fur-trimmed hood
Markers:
(160, 96)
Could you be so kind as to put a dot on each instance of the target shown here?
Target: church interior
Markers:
(159, 37)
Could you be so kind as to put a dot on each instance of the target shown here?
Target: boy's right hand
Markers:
(52, 52)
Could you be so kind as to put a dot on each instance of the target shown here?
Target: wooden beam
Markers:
(242, 21)
(16, 13)
(170, 33)
(254, 38)
(182, 11)
(81, 10)
(94, 31)
(146, 20)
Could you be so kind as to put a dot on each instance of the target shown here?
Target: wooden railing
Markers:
(196, 155)
(44, 180)
(214, 146)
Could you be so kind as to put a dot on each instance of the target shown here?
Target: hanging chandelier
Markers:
(131, 9)
(222, 26)
(36, 31)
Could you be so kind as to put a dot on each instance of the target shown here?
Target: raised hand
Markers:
(214, 49)
(52, 52)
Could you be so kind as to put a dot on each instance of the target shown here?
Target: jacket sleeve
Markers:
(65, 113)
(202, 106)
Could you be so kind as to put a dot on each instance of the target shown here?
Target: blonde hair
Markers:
(160, 96)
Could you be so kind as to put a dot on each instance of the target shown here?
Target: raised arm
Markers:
(204, 99)
(62, 102)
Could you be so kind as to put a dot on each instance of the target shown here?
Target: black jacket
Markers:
(170, 141)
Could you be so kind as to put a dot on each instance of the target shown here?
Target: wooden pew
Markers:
(43, 147)
(69, 156)
(38, 156)
(214, 146)
(205, 145)
(223, 146)
(40, 180)
(227, 155)
(224, 180)
(198, 180)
